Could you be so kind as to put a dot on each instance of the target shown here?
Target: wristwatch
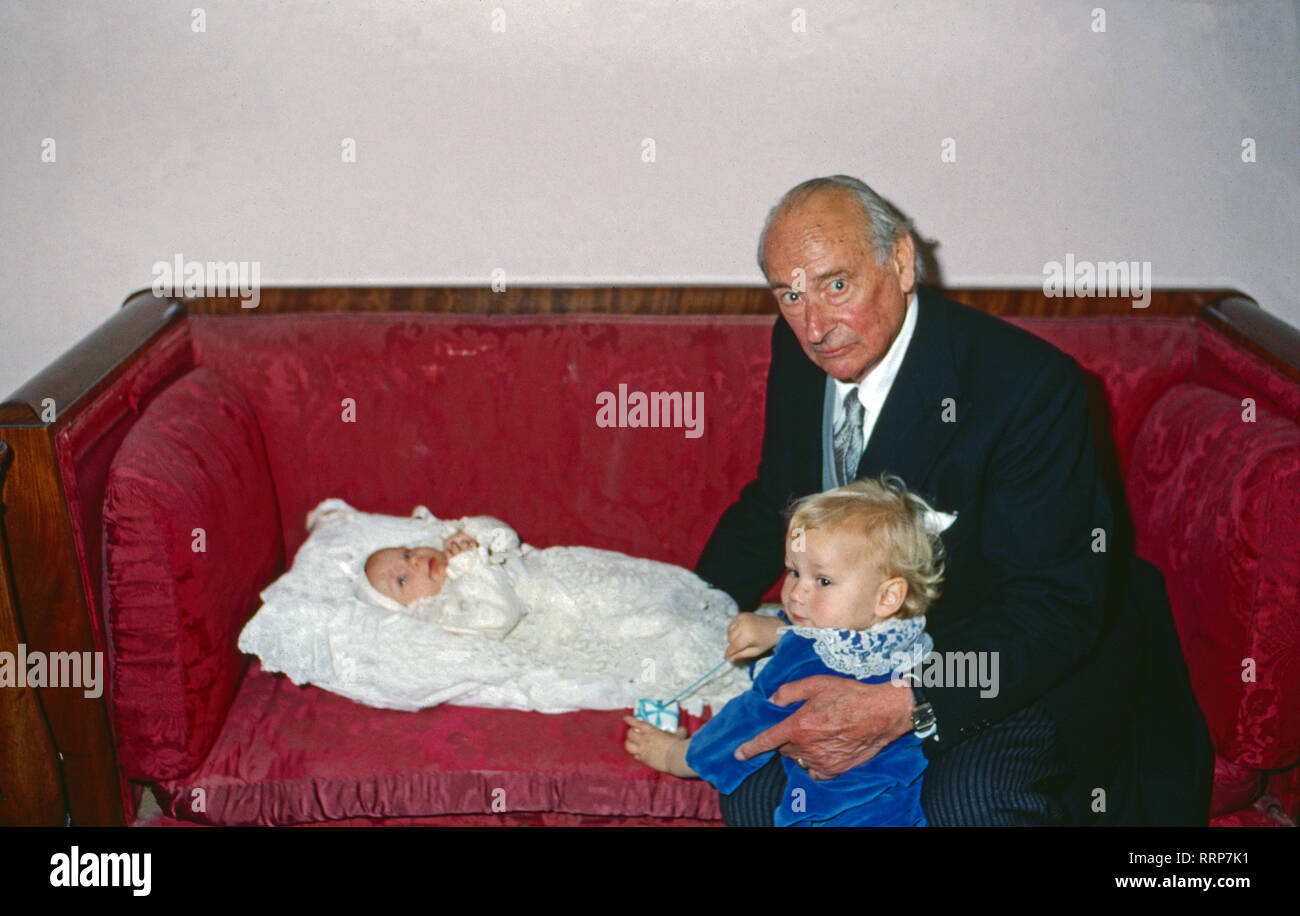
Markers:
(924, 724)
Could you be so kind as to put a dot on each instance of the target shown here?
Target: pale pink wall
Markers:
(523, 149)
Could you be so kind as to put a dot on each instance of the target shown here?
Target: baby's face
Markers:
(407, 574)
(836, 582)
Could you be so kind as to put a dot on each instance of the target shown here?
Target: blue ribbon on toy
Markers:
(654, 712)
(716, 668)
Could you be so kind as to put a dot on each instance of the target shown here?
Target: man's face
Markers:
(850, 308)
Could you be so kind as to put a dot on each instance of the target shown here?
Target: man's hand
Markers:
(841, 724)
(750, 635)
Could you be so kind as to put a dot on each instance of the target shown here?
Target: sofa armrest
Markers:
(192, 535)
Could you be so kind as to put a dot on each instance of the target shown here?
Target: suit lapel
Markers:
(911, 433)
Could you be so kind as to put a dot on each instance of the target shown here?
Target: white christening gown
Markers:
(552, 630)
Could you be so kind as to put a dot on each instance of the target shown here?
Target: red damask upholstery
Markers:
(1217, 504)
(497, 416)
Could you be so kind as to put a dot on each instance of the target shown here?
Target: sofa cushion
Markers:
(270, 766)
(191, 534)
(1216, 499)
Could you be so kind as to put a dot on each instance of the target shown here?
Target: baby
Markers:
(407, 574)
(863, 565)
(464, 587)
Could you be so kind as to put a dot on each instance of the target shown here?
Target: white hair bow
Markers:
(937, 522)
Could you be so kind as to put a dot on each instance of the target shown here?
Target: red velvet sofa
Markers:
(197, 423)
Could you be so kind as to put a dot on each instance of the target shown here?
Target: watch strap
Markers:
(924, 723)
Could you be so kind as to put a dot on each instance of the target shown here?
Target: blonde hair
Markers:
(895, 524)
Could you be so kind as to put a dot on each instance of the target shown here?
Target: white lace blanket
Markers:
(599, 630)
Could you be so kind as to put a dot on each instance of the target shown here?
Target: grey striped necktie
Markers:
(848, 438)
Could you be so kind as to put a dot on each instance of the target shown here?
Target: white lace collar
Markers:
(886, 647)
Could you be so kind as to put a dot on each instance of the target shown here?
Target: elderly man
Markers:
(871, 373)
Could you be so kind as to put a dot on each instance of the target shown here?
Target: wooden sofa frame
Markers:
(59, 761)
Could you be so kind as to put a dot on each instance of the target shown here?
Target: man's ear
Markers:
(904, 263)
(890, 597)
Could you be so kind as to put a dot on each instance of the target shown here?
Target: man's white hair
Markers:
(886, 224)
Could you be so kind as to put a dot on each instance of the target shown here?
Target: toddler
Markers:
(863, 565)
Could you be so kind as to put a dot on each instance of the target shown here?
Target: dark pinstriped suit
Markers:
(1018, 467)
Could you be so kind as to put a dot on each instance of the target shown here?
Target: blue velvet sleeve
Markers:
(712, 749)
(711, 752)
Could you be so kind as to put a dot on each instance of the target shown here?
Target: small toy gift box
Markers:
(660, 715)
